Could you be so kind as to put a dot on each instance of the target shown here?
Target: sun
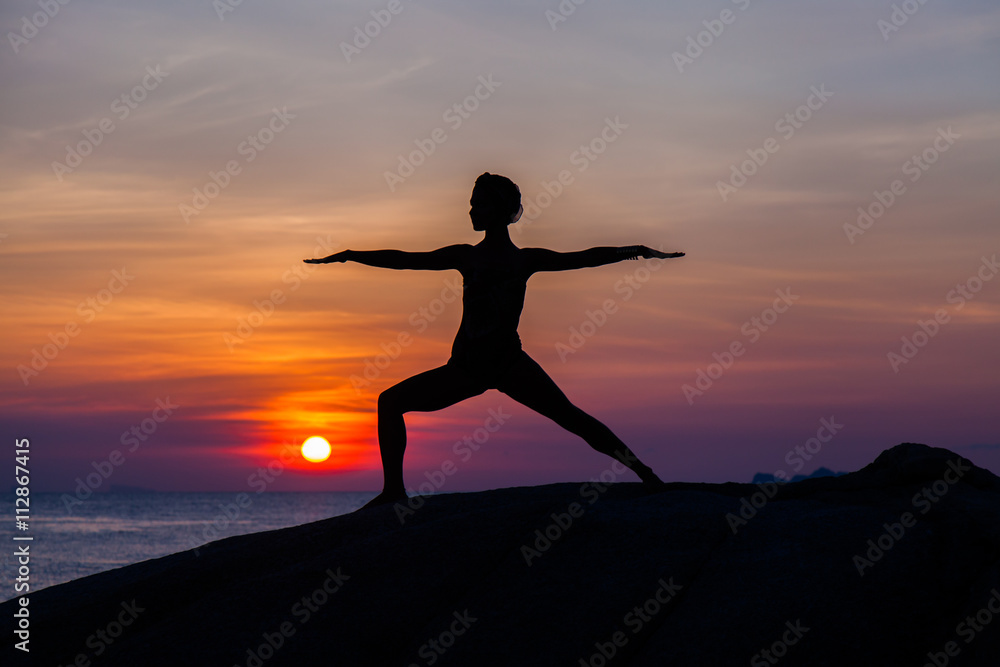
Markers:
(316, 449)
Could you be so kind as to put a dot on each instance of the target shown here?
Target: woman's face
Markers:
(484, 212)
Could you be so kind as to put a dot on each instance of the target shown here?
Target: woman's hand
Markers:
(650, 253)
(336, 257)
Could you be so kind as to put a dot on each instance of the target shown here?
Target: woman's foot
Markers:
(648, 477)
(654, 485)
(385, 498)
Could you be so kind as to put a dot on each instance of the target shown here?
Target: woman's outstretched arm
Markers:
(449, 257)
(541, 259)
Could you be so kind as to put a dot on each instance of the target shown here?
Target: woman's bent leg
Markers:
(426, 392)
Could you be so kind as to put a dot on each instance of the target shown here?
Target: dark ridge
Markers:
(826, 571)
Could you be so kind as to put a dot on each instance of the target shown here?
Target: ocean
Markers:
(111, 530)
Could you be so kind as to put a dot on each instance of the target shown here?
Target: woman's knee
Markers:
(390, 401)
(573, 419)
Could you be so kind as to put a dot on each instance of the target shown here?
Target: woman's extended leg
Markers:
(425, 392)
(527, 383)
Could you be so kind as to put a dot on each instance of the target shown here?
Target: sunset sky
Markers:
(166, 166)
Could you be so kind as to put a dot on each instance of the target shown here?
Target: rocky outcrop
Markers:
(895, 564)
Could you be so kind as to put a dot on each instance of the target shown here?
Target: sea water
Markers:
(110, 530)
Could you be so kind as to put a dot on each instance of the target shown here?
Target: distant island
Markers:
(762, 477)
(125, 488)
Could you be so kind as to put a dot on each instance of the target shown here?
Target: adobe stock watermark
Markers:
(899, 17)
(796, 457)
(923, 501)
(591, 492)
(753, 329)
(463, 449)
(564, 10)
(363, 35)
(786, 126)
(223, 7)
(635, 620)
(302, 611)
(88, 309)
(455, 116)
(792, 635)
(914, 168)
(419, 320)
(929, 328)
(697, 44)
(30, 26)
(967, 629)
(249, 149)
(122, 107)
(263, 309)
(258, 481)
(103, 637)
(136, 436)
(432, 650)
(593, 320)
(581, 158)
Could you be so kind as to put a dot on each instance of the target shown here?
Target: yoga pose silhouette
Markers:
(487, 351)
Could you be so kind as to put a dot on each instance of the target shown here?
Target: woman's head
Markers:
(495, 200)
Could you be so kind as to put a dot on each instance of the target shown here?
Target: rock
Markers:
(877, 567)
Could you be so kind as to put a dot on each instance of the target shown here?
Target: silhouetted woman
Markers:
(487, 351)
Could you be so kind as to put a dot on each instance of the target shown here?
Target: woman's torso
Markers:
(492, 299)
